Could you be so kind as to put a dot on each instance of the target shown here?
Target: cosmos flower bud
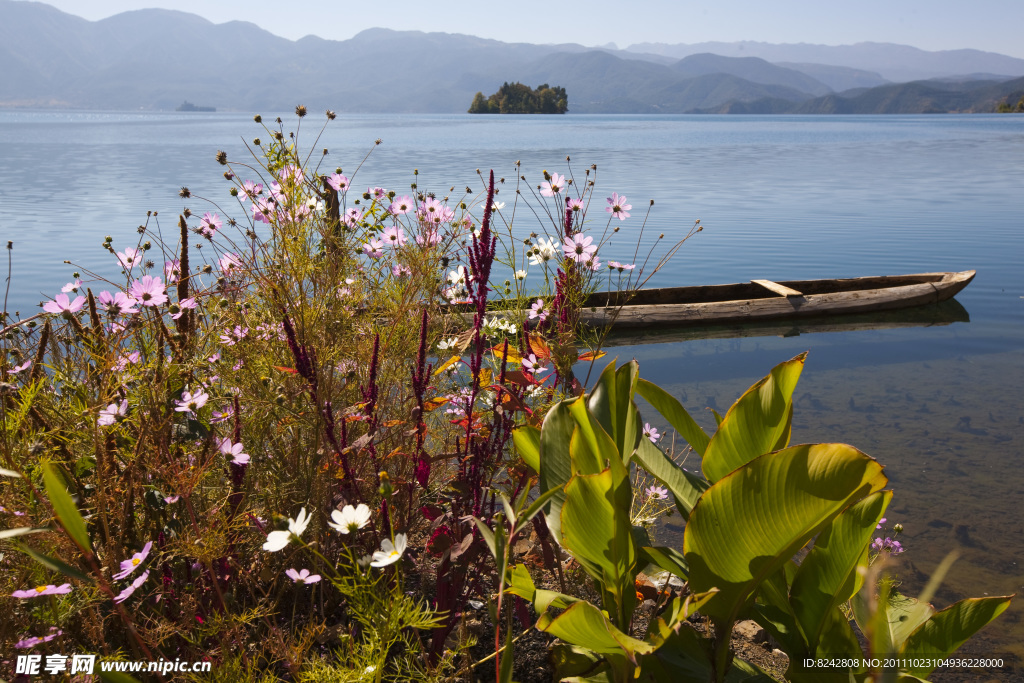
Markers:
(258, 118)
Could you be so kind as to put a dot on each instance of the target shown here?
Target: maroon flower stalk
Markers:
(370, 395)
(420, 379)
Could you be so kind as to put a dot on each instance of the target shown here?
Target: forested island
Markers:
(516, 98)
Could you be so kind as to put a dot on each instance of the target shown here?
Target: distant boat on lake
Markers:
(188, 106)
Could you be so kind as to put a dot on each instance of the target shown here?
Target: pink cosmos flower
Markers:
(149, 291)
(430, 210)
(428, 238)
(249, 190)
(71, 286)
(26, 643)
(18, 368)
(184, 304)
(112, 413)
(593, 263)
(42, 590)
(352, 217)
(534, 366)
(230, 262)
(399, 270)
(210, 224)
(550, 188)
(537, 310)
(126, 360)
(621, 267)
(580, 248)
(338, 182)
(128, 566)
(129, 257)
(400, 205)
(261, 211)
(379, 193)
(302, 576)
(618, 207)
(374, 248)
(231, 337)
(61, 304)
(292, 174)
(117, 303)
(574, 204)
(126, 593)
(172, 269)
(651, 433)
(234, 450)
(657, 492)
(190, 403)
(393, 236)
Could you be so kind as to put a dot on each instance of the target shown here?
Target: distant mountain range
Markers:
(155, 59)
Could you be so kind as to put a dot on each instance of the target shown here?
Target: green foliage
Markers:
(762, 502)
(516, 98)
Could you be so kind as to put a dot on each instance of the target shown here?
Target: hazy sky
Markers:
(992, 25)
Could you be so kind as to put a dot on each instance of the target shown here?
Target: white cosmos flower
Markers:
(497, 206)
(276, 540)
(543, 252)
(350, 519)
(458, 276)
(520, 274)
(446, 344)
(389, 552)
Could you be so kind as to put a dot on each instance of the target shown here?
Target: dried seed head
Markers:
(229, 175)
(187, 212)
(331, 115)
(256, 141)
(184, 193)
(222, 157)
(300, 111)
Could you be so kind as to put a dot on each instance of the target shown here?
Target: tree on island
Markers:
(516, 98)
(1004, 107)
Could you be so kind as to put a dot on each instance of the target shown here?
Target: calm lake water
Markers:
(941, 406)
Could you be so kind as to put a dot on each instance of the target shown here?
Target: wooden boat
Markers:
(761, 300)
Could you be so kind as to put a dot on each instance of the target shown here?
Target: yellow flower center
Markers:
(41, 589)
(135, 561)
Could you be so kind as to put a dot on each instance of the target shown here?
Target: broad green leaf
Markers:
(487, 535)
(65, 508)
(905, 614)
(827, 577)
(666, 559)
(527, 442)
(662, 628)
(603, 398)
(555, 462)
(940, 636)
(536, 505)
(757, 423)
(628, 426)
(596, 529)
(718, 417)
(673, 411)
(584, 625)
(775, 614)
(837, 641)
(685, 487)
(54, 564)
(571, 661)
(21, 531)
(591, 446)
(749, 524)
(521, 584)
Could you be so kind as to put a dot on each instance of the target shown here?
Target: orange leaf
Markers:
(447, 364)
(432, 404)
(392, 423)
(290, 371)
(592, 355)
(540, 347)
(513, 354)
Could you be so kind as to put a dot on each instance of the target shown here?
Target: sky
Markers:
(991, 25)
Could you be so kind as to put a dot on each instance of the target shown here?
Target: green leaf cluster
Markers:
(759, 503)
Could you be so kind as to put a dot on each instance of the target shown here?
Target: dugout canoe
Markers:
(761, 300)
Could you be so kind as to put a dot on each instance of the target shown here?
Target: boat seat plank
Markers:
(781, 290)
